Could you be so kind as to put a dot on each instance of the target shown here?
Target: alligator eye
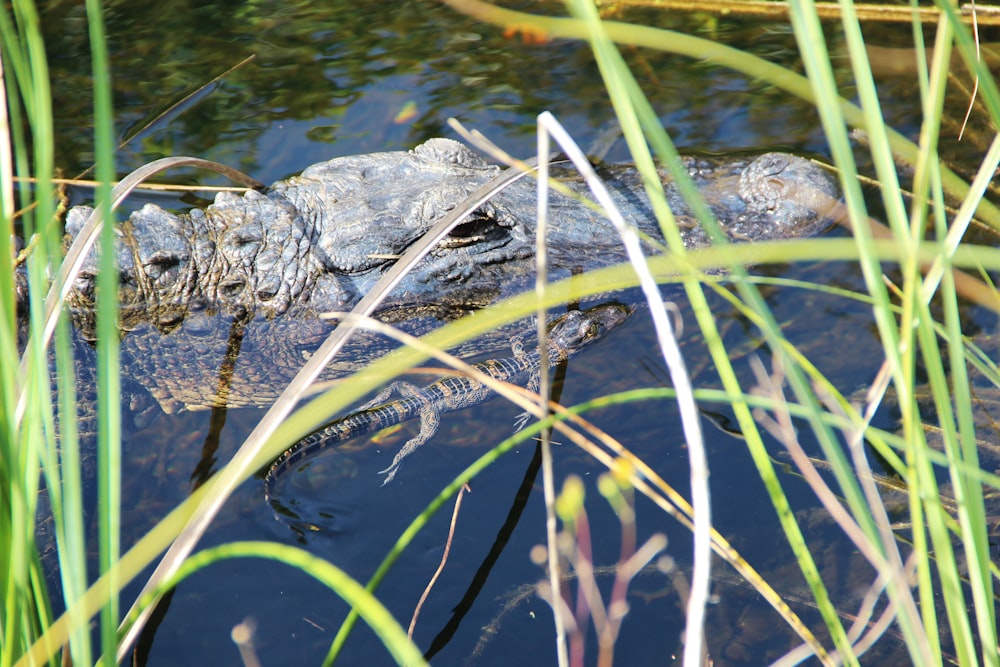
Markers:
(761, 184)
(170, 320)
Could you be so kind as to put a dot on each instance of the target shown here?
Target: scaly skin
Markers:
(567, 335)
(318, 241)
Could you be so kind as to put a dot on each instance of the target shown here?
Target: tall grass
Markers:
(27, 411)
(30, 433)
(949, 557)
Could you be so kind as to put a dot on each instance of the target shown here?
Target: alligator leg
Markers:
(461, 264)
(430, 420)
(430, 411)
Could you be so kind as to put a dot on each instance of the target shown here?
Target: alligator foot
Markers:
(534, 382)
(521, 420)
(430, 420)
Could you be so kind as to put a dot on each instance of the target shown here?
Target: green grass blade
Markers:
(27, 417)
(393, 636)
(108, 381)
(817, 61)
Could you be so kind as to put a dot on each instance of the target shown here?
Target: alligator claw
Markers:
(390, 472)
(521, 421)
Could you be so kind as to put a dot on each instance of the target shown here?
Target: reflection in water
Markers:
(332, 79)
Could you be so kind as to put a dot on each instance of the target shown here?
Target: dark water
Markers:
(342, 78)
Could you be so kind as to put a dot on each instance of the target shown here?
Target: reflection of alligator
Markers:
(319, 241)
(567, 336)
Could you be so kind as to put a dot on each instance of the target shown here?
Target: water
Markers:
(341, 78)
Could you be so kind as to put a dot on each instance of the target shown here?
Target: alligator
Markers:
(317, 242)
(568, 334)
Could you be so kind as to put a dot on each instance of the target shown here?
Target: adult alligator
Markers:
(318, 241)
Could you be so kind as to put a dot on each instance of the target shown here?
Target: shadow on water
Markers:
(342, 78)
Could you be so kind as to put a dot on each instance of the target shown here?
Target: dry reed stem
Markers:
(827, 11)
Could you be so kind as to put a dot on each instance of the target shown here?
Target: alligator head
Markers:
(787, 197)
(371, 208)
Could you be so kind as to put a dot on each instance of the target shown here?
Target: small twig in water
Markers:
(444, 559)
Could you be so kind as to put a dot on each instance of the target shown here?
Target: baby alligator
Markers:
(567, 335)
